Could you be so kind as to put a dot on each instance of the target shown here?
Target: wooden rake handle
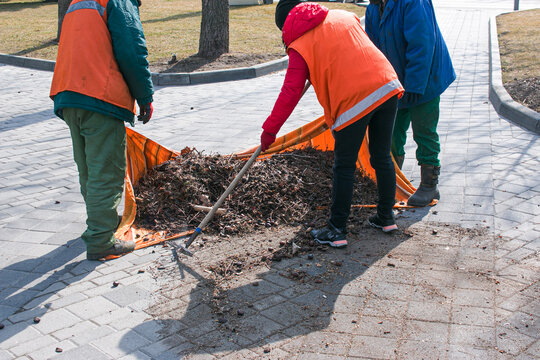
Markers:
(222, 198)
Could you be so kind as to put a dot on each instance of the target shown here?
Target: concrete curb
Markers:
(170, 79)
(499, 97)
(26, 62)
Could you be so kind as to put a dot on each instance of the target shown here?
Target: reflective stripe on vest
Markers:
(365, 103)
(86, 4)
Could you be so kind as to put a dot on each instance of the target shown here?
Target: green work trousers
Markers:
(99, 149)
(424, 119)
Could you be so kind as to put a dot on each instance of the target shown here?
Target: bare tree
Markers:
(214, 39)
(63, 5)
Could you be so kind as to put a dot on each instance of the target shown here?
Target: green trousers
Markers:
(99, 149)
(424, 119)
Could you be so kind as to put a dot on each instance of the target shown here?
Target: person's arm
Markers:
(294, 87)
(129, 47)
(420, 35)
(291, 92)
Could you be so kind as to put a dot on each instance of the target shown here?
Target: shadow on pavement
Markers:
(26, 119)
(28, 285)
(291, 298)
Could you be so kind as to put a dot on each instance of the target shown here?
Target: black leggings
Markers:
(347, 145)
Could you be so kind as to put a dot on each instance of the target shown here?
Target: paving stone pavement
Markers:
(453, 300)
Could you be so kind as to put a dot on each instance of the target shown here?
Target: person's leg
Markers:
(346, 148)
(380, 140)
(78, 142)
(105, 148)
(425, 118)
(399, 136)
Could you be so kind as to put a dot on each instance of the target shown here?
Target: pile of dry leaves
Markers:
(287, 189)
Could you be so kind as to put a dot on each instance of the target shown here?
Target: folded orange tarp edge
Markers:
(143, 154)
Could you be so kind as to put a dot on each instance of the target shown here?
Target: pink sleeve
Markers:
(291, 92)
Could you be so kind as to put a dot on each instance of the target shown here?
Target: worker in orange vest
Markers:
(356, 87)
(101, 69)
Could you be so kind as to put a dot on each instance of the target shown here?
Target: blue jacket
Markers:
(408, 34)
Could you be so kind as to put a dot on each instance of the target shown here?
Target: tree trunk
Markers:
(62, 8)
(214, 39)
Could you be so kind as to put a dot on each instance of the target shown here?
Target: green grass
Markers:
(519, 43)
(28, 28)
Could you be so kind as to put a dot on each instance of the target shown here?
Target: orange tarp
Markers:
(143, 154)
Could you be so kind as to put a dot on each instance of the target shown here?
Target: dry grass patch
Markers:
(519, 42)
(28, 28)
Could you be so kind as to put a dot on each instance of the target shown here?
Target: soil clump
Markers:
(526, 92)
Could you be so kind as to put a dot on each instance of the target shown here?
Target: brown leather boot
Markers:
(427, 191)
(119, 248)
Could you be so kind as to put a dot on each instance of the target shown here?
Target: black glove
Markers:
(145, 112)
(411, 97)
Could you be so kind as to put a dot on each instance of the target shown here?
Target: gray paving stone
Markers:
(465, 315)
(76, 330)
(15, 334)
(477, 336)
(11, 297)
(151, 329)
(511, 341)
(311, 355)
(6, 311)
(429, 311)
(92, 307)
(534, 349)
(131, 321)
(378, 327)
(426, 331)
(520, 254)
(258, 327)
(486, 161)
(50, 350)
(366, 346)
(268, 302)
(120, 343)
(4, 355)
(285, 314)
(469, 297)
(55, 320)
(83, 352)
(38, 281)
(410, 349)
(26, 315)
(126, 295)
(33, 345)
(112, 316)
(466, 352)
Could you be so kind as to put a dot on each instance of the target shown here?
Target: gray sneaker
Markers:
(120, 247)
(330, 235)
(386, 225)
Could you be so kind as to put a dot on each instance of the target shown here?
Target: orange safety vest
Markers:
(85, 62)
(350, 76)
